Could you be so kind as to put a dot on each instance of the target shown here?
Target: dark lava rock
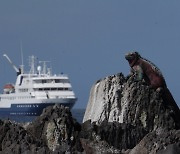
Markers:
(123, 116)
(120, 136)
(160, 142)
(15, 139)
(130, 113)
(57, 129)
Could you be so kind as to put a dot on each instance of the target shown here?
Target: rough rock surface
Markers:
(15, 139)
(166, 142)
(104, 100)
(127, 101)
(57, 129)
(122, 111)
(123, 116)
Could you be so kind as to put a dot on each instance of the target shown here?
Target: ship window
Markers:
(38, 81)
(63, 89)
(44, 81)
(65, 81)
(52, 89)
(23, 90)
(50, 81)
(57, 80)
(61, 81)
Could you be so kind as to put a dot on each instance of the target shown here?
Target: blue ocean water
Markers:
(78, 114)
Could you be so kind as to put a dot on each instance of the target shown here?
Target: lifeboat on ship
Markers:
(8, 88)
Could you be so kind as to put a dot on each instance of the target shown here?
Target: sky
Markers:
(87, 39)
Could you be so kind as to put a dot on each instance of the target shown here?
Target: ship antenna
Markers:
(44, 65)
(32, 61)
(22, 59)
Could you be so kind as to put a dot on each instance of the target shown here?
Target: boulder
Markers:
(15, 139)
(104, 103)
(57, 129)
(164, 142)
(122, 116)
(116, 99)
(124, 112)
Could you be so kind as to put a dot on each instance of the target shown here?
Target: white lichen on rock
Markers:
(104, 103)
(51, 142)
(143, 118)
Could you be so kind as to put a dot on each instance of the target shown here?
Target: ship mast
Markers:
(44, 63)
(22, 59)
(32, 61)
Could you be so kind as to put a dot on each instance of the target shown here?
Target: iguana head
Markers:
(132, 57)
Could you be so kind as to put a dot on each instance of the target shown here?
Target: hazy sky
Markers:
(87, 39)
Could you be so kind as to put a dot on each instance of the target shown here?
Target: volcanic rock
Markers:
(167, 142)
(124, 112)
(15, 139)
(57, 129)
(123, 116)
(104, 103)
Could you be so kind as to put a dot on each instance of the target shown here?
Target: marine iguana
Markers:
(144, 69)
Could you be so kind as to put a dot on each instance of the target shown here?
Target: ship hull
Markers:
(29, 109)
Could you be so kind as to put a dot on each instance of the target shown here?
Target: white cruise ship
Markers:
(35, 90)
